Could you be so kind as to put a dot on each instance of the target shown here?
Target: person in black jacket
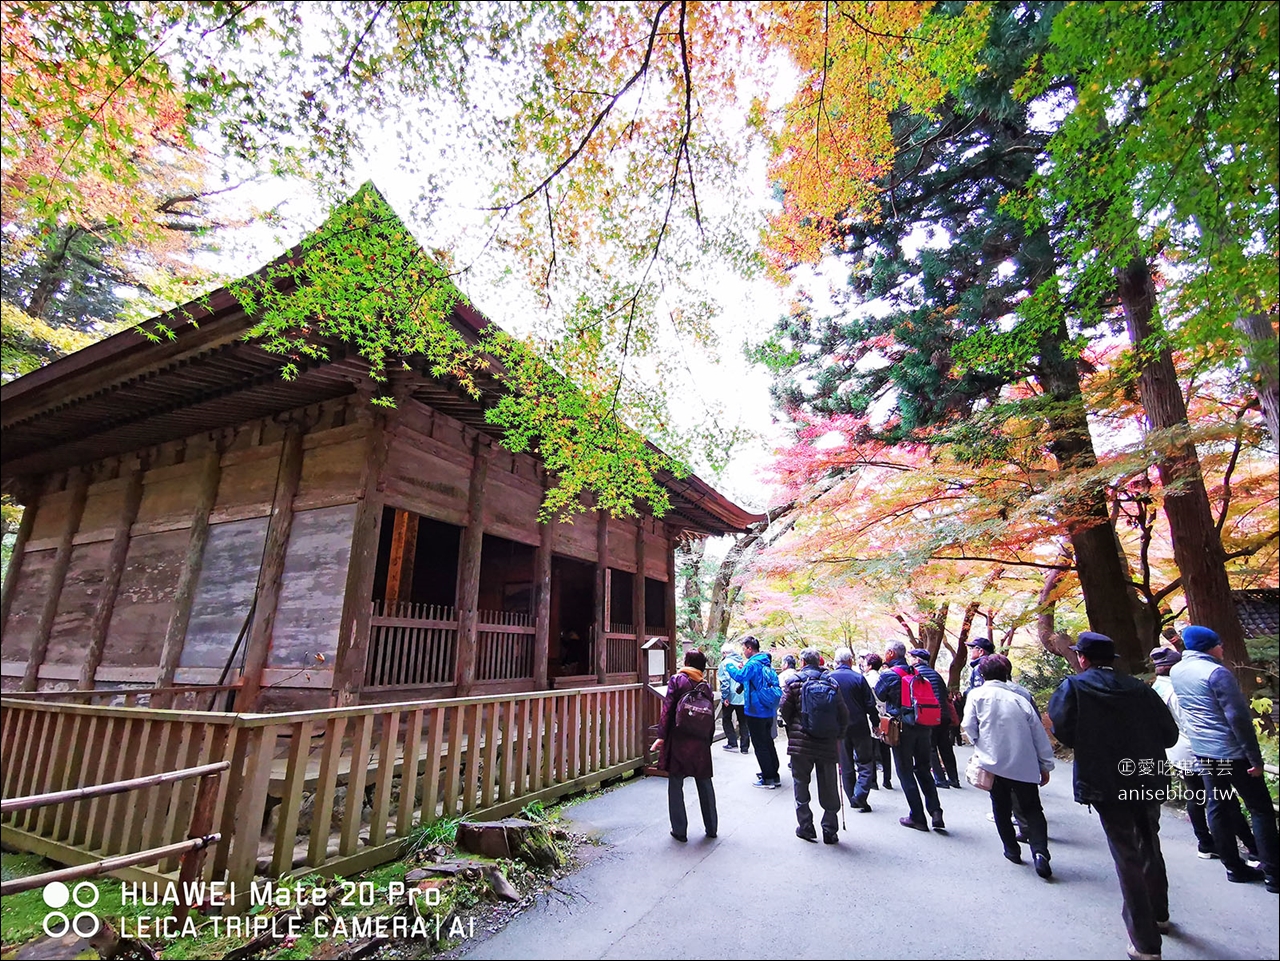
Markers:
(945, 774)
(1119, 728)
(811, 751)
(858, 749)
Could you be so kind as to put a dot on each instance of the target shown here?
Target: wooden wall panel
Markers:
(577, 538)
(28, 600)
(51, 520)
(69, 639)
(331, 472)
(101, 511)
(315, 573)
(622, 544)
(426, 484)
(146, 598)
(247, 483)
(168, 497)
(223, 593)
(655, 556)
(511, 507)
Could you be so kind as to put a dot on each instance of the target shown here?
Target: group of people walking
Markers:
(1119, 727)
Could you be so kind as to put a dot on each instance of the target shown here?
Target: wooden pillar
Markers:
(542, 605)
(404, 543)
(602, 595)
(102, 611)
(469, 571)
(270, 574)
(79, 487)
(670, 604)
(637, 604)
(30, 504)
(357, 598)
(176, 631)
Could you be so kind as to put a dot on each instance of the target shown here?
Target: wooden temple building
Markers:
(194, 519)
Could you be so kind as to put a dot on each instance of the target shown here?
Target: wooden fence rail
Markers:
(329, 792)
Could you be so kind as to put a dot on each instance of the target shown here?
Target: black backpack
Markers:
(820, 707)
(696, 713)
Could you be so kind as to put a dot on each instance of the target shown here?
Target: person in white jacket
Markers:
(1009, 740)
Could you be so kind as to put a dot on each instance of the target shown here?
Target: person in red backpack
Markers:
(943, 756)
(904, 700)
(684, 750)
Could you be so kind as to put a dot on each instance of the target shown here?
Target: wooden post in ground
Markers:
(111, 579)
(542, 605)
(270, 574)
(353, 626)
(30, 506)
(469, 571)
(78, 484)
(176, 632)
(602, 595)
(637, 605)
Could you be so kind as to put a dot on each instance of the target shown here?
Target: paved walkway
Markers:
(884, 891)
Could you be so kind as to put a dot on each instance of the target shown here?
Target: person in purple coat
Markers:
(682, 755)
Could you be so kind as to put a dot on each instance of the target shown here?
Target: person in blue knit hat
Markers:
(1223, 738)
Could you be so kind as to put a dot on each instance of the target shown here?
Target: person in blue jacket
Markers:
(761, 695)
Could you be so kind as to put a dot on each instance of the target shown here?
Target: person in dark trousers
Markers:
(1186, 768)
(731, 700)
(1120, 729)
(1220, 728)
(760, 711)
(883, 756)
(911, 756)
(943, 756)
(858, 749)
(683, 756)
(1010, 742)
(811, 753)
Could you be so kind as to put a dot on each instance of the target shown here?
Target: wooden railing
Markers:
(620, 655)
(504, 646)
(328, 792)
(204, 697)
(411, 645)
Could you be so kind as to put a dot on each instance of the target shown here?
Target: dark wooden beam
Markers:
(469, 571)
(637, 604)
(79, 487)
(670, 603)
(404, 543)
(30, 504)
(270, 573)
(176, 631)
(602, 595)
(542, 605)
(353, 629)
(106, 605)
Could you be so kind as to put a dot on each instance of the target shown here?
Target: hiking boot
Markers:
(810, 836)
(680, 837)
(938, 823)
(1136, 955)
(1042, 866)
(1014, 856)
(730, 747)
(830, 839)
(942, 785)
(746, 750)
(1205, 851)
(909, 822)
(956, 785)
(862, 807)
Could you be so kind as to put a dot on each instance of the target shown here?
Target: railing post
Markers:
(201, 826)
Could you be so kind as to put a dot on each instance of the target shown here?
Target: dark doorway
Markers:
(506, 576)
(417, 560)
(620, 611)
(573, 596)
(655, 607)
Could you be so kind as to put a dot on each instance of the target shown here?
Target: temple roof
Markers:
(129, 392)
